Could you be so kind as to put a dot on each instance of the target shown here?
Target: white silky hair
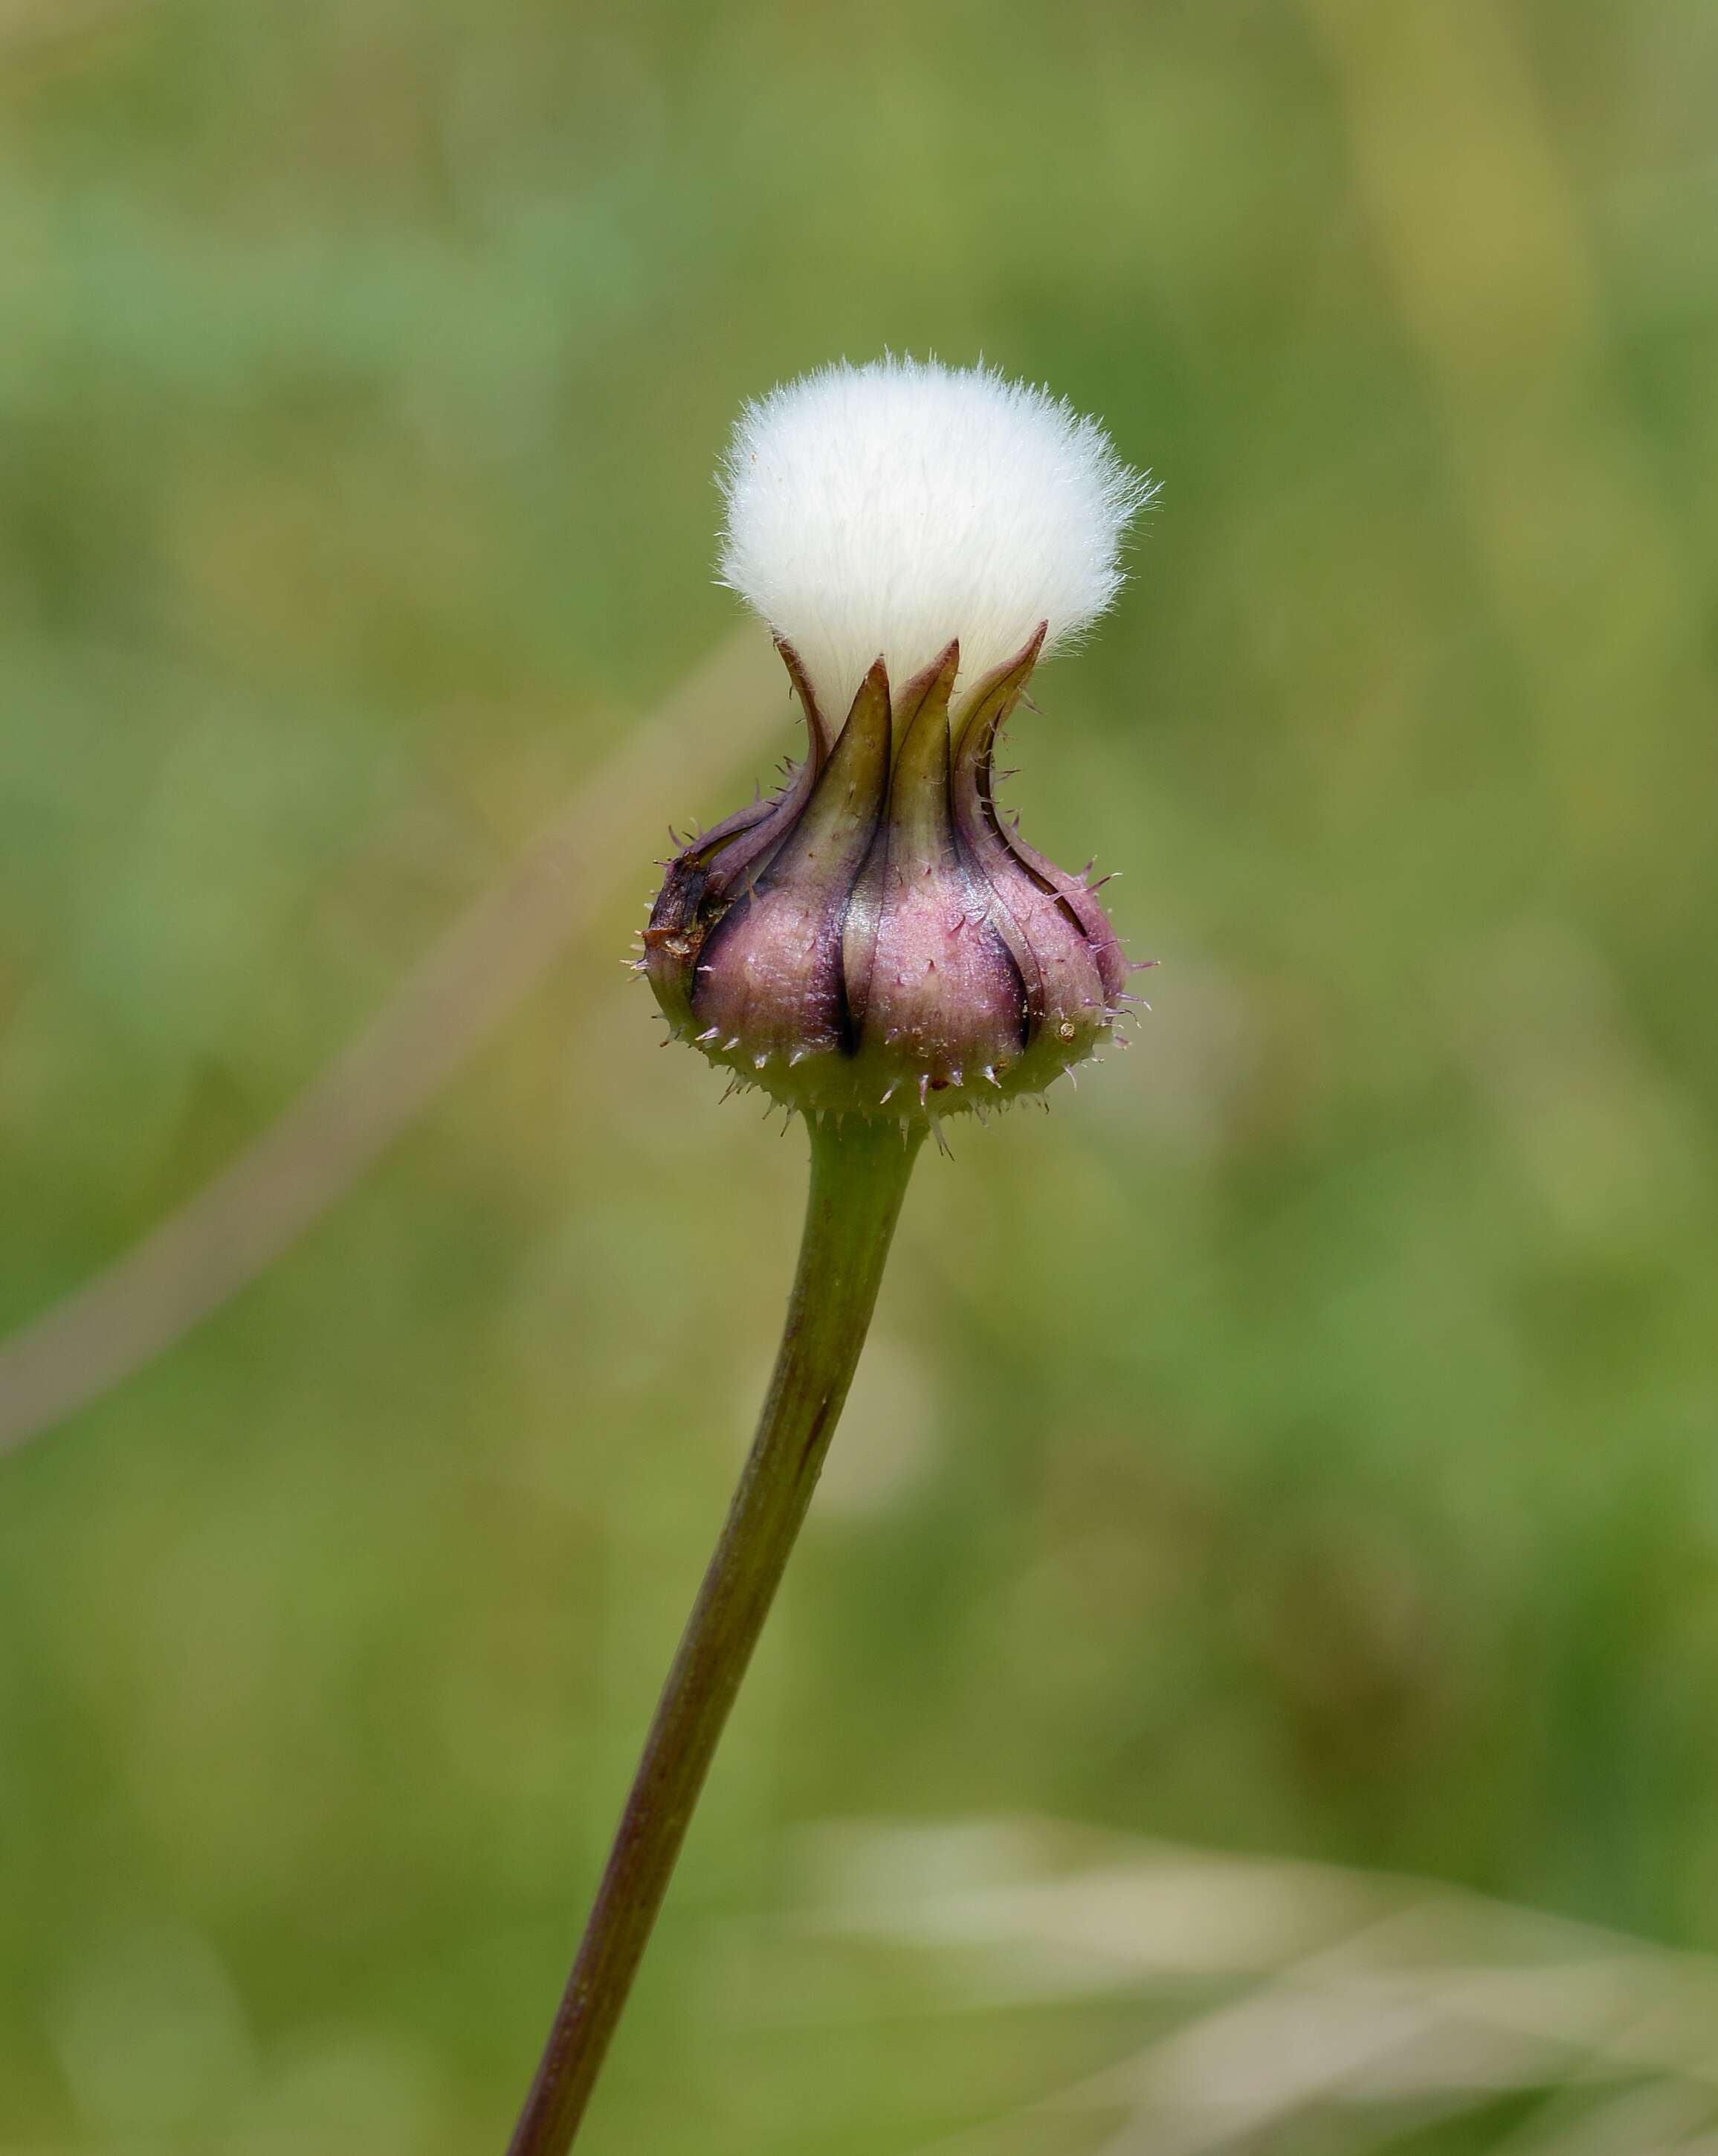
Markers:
(887, 508)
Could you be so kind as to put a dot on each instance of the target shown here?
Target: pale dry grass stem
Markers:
(1293, 2004)
(233, 1228)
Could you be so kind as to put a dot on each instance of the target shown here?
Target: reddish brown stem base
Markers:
(859, 1172)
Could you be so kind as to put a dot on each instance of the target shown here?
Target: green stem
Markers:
(858, 1177)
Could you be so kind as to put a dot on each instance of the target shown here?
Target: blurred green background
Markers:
(1302, 1440)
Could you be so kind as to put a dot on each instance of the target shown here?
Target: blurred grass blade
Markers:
(257, 1206)
(1349, 2006)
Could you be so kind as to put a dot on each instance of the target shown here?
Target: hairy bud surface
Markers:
(878, 939)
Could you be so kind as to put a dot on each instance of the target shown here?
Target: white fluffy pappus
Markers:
(888, 507)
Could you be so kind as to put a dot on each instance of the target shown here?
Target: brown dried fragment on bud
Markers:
(876, 940)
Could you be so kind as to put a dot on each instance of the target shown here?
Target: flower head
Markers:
(876, 939)
(885, 509)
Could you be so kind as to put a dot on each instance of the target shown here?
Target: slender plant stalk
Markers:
(858, 1177)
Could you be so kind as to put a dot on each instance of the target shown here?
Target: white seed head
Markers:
(887, 508)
